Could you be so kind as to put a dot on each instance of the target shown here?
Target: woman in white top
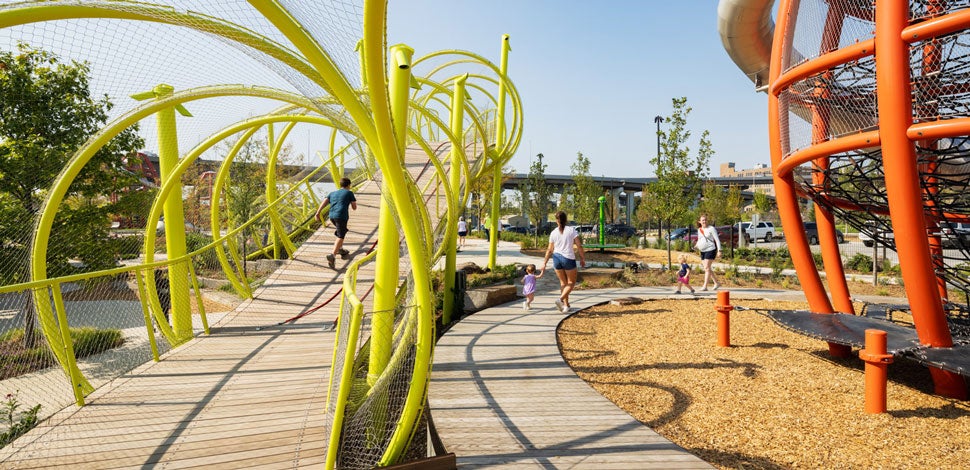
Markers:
(561, 243)
(462, 231)
(710, 252)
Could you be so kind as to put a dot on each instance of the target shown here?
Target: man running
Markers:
(341, 201)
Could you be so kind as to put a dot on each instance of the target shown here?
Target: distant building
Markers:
(727, 169)
(759, 170)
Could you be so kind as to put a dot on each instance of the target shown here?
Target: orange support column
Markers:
(877, 361)
(724, 308)
(903, 189)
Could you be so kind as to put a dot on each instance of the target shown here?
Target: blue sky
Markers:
(592, 75)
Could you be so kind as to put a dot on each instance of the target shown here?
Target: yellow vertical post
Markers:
(387, 268)
(278, 236)
(499, 153)
(451, 230)
(71, 361)
(143, 294)
(178, 273)
(273, 238)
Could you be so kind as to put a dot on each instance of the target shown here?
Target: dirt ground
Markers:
(773, 400)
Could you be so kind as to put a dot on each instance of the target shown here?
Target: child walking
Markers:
(529, 286)
(683, 276)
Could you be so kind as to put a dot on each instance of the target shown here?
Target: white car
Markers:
(866, 237)
(760, 231)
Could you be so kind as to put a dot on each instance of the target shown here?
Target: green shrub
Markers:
(129, 246)
(87, 341)
(860, 263)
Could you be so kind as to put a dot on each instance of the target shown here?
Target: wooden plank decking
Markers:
(251, 394)
(503, 397)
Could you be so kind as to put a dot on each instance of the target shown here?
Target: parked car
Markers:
(811, 233)
(955, 234)
(865, 236)
(724, 233)
(620, 230)
(760, 231)
(530, 230)
(678, 233)
(586, 230)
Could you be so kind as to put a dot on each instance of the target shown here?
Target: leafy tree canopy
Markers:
(47, 113)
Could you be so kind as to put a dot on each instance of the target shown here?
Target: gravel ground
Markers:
(775, 399)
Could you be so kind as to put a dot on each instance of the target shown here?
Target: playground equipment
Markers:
(867, 119)
(601, 229)
(299, 67)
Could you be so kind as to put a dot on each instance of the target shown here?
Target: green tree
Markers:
(583, 192)
(246, 193)
(762, 203)
(722, 204)
(47, 113)
(539, 193)
(679, 173)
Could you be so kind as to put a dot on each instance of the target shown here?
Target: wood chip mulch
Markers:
(775, 399)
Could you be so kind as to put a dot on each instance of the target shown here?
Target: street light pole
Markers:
(658, 119)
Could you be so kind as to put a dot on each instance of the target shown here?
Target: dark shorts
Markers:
(709, 254)
(561, 262)
(462, 233)
(341, 227)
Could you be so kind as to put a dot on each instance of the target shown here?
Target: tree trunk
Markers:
(30, 334)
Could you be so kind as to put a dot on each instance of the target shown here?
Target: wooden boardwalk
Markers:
(251, 394)
(502, 396)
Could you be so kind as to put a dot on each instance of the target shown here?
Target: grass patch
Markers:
(17, 360)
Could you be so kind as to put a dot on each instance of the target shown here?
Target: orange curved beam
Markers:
(821, 64)
(825, 149)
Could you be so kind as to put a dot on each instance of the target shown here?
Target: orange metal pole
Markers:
(929, 106)
(877, 363)
(723, 308)
(821, 114)
(785, 195)
(902, 187)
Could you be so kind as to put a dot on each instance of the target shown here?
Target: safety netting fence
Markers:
(89, 285)
(161, 159)
(852, 184)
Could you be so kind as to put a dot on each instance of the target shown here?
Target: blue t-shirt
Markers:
(683, 269)
(340, 203)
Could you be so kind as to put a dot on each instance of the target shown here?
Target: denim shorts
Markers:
(709, 254)
(562, 262)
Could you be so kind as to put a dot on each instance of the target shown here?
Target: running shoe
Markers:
(331, 261)
(559, 304)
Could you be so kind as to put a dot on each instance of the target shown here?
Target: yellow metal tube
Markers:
(451, 230)
(387, 269)
(178, 275)
(199, 301)
(500, 145)
(144, 309)
(74, 374)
